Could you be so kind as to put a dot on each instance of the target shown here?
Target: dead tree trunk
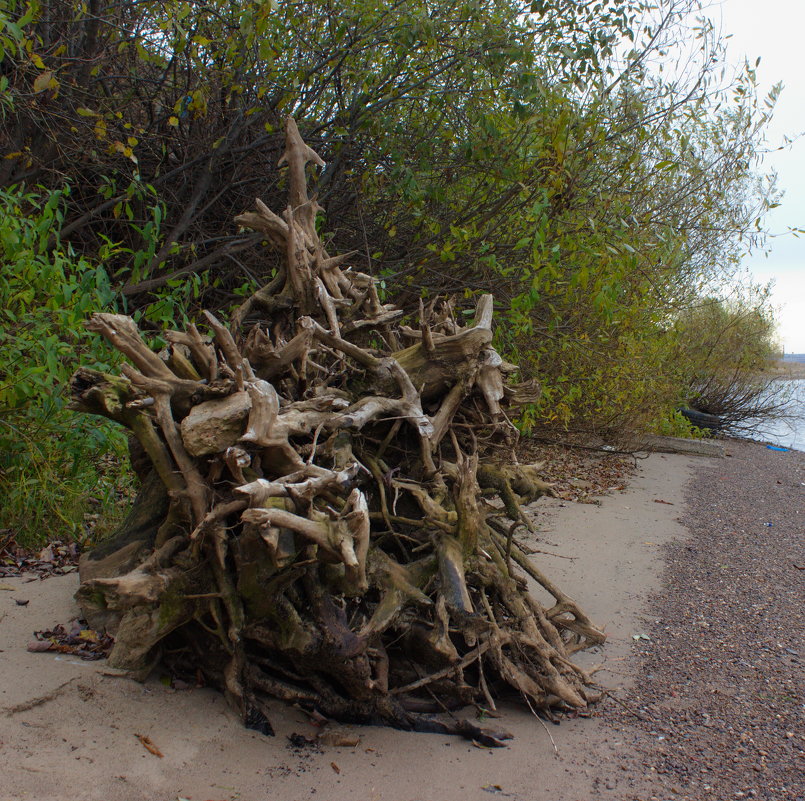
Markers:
(330, 515)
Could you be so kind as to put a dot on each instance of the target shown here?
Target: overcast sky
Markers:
(773, 31)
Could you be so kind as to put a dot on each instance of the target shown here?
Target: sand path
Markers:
(68, 731)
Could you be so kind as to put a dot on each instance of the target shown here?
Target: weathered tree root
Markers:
(329, 531)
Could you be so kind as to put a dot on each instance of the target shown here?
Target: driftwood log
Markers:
(329, 501)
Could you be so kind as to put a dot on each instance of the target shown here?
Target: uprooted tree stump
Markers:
(329, 501)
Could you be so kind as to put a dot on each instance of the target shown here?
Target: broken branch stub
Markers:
(332, 536)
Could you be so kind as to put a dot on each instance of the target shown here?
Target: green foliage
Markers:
(724, 335)
(722, 351)
(675, 424)
(585, 160)
(51, 471)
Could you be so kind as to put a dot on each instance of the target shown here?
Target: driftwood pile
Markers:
(329, 501)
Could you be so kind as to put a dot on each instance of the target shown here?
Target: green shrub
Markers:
(675, 424)
(58, 470)
(722, 349)
(533, 149)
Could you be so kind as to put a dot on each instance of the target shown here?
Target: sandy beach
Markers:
(70, 731)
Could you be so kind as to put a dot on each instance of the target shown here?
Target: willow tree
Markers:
(331, 501)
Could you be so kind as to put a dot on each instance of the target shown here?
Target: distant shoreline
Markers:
(788, 369)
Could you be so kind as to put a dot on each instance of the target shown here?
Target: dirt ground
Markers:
(68, 730)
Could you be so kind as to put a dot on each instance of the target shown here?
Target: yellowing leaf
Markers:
(173, 122)
(37, 61)
(86, 112)
(124, 149)
(100, 128)
(43, 80)
(133, 140)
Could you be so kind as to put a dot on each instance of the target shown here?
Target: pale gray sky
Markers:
(772, 30)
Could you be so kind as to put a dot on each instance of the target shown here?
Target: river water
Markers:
(789, 431)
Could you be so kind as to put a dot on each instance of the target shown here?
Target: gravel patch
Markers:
(720, 684)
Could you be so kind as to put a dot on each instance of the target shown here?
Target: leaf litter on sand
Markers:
(581, 472)
(55, 559)
(77, 639)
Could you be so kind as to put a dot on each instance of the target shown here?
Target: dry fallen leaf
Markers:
(47, 554)
(335, 767)
(149, 746)
(339, 738)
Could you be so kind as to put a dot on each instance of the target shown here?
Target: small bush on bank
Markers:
(724, 353)
(675, 424)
